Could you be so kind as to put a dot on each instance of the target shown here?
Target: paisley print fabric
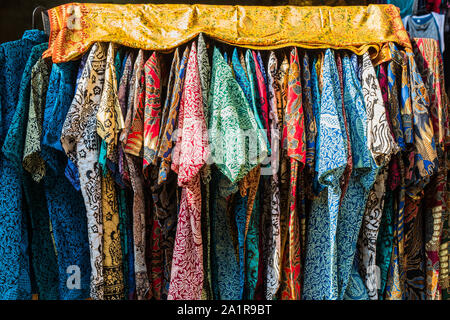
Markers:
(190, 154)
(81, 145)
(152, 112)
(294, 132)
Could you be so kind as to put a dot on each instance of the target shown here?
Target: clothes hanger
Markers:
(45, 19)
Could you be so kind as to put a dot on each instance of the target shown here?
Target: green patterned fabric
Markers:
(233, 127)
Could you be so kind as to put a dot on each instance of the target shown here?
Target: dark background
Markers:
(16, 15)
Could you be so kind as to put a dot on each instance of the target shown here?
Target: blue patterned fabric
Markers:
(65, 203)
(42, 253)
(320, 277)
(240, 212)
(361, 180)
(356, 289)
(225, 271)
(14, 265)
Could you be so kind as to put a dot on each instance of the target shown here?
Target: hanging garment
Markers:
(42, 253)
(204, 69)
(123, 95)
(381, 146)
(15, 277)
(190, 154)
(320, 278)
(385, 237)
(167, 211)
(167, 178)
(273, 245)
(125, 194)
(282, 94)
(359, 106)
(430, 25)
(310, 122)
(131, 138)
(81, 145)
(112, 249)
(430, 65)
(65, 204)
(112, 163)
(262, 93)
(224, 135)
(420, 165)
(109, 116)
(316, 111)
(152, 118)
(171, 106)
(265, 185)
(227, 104)
(294, 134)
(152, 112)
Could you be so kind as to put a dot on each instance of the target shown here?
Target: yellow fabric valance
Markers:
(76, 26)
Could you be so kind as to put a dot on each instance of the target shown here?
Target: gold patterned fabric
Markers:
(75, 27)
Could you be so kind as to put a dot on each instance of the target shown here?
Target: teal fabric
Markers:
(17, 60)
(406, 6)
